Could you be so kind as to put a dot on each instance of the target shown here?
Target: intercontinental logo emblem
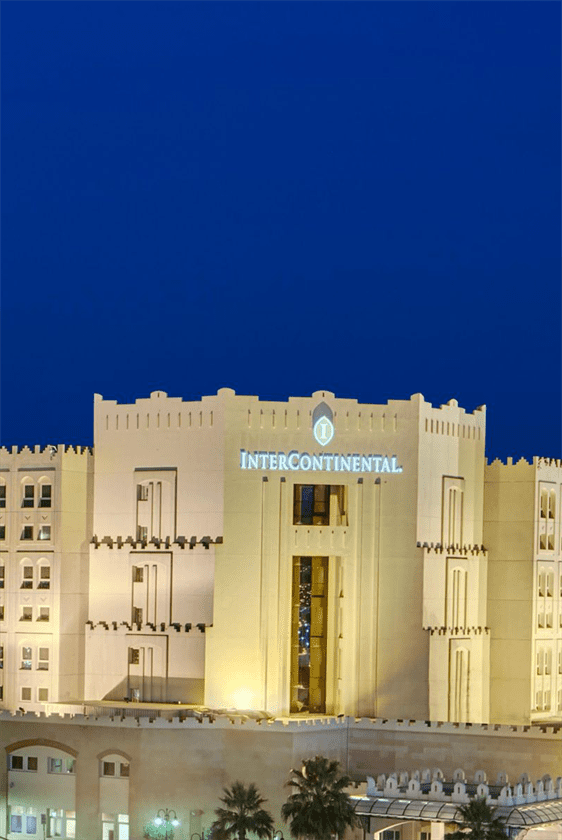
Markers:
(322, 425)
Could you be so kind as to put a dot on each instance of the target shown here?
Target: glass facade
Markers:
(308, 634)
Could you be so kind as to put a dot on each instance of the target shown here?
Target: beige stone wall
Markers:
(524, 589)
(69, 472)
(185, 765)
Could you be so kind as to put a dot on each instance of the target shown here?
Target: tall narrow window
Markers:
(311, 504)
(308, 634)
(43, 661)
(2, 576)
(27, 578)
(26, 660)
(28, 500)
(46, 496)
(44, 577)
(2, 495)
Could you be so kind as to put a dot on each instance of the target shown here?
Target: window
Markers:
(23, 818)
(115, 826)
(61, 823)
(16, 819)
(45, 498)
(23, 762)
(142, 492)
(27, 532)
(389, 834)
(60, 765)
(26, 659)
(43, 695)
(311, 504)
(27, 578)
(137, 615)
(2, 495)
(26, 694)
(2, 576)
(138, 574)
(114, 769)
(2, 532)
(44, 614)
(552, 504)
(44, 577)
(134, 656)
(44, 532)
(28, 496)
(26, 614)
(43, 661)
(1, 612)
(142, 533)
(1, 657)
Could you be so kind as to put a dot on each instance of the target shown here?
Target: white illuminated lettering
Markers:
(293, 460)
(253, 460)
(296, 460)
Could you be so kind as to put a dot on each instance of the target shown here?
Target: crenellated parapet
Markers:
(439, 549)
(458, 631)
(166, 543)
(125, 628)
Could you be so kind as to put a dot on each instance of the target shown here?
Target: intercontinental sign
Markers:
(325, 462)
(323, 431)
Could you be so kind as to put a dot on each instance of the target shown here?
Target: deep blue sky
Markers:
(281, 197)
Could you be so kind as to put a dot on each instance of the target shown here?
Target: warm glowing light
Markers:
(243, 699)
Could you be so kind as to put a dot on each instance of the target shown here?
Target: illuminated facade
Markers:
(315, 556)
(45, 530)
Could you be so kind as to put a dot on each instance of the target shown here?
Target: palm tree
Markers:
(319, 807)
(478, 822)
(243, 813)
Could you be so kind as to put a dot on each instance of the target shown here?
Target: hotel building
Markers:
(335, 575)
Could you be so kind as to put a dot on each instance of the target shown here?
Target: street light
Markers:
(166, 817)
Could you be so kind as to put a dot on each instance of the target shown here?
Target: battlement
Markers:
(49, 450)
(155, 542)
(438, 548)
(162, 412)
(124, 628)
(522, 467)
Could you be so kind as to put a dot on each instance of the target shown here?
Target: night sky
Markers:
(281, 198)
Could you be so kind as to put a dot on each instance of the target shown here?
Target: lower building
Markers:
(105, 776)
